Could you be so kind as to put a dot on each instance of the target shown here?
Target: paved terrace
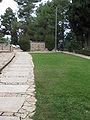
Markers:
(17, 101)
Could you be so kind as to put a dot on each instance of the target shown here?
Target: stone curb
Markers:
(78, 55)
(7, 62)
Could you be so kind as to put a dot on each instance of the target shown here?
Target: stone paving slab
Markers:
(13, 79)
(19, 70)
(9, 118)
(20, 65)
(11, 104)
(13, 88)
(16, 73)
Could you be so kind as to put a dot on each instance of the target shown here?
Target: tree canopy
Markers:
(9, 25)
(26, 20)
(45, 22)
(79, 17)
(74, 15)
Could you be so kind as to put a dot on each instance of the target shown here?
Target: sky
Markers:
(10, 3)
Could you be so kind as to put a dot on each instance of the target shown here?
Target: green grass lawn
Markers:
(62, 87)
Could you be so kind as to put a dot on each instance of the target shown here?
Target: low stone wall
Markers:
(5, 47)
(37, 46)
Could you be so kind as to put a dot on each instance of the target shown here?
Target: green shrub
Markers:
(24, 42)
(85, 52)
(49, 42)
(71, 43)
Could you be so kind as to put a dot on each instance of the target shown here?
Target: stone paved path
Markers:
(17, 101)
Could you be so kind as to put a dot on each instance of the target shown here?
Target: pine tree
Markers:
(25, 15)
(7, 21)
(79, 17)
(25, 12)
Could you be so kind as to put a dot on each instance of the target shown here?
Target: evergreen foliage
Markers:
(71, 43)
(9, 23)
(26, 25)
(45, 21)
(42, 27)
(24, 42)
(79, 17)
(49, 42)
(45, 24)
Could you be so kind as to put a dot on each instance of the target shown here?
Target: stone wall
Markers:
(37, 46)
(4, 47)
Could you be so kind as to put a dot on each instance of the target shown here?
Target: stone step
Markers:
(13, 88)
(14, 73)
(11, 104)
(14, 79)
(9, 118)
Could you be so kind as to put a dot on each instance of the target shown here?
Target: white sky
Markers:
(7, 3)
(10, 3)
